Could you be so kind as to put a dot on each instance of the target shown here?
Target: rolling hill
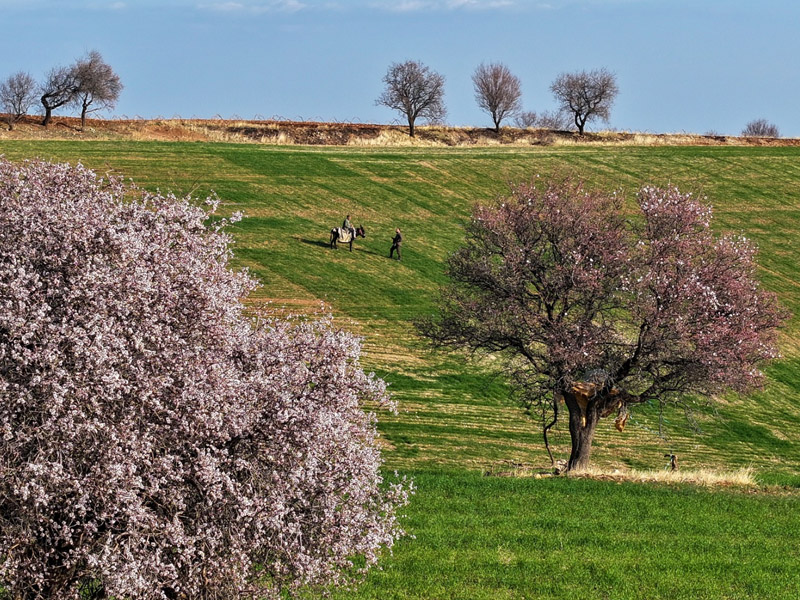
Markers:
(456, 422)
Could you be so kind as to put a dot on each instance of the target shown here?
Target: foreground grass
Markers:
(562, 538)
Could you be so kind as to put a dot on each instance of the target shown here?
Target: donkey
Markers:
(340, 235)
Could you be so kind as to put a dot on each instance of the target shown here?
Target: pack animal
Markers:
(346, 237)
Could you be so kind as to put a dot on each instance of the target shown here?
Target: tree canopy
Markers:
(98, 86)
(58, 89)
(606, 310)
(586, 95)
(415, 91)
(17, 95)
(497, 91)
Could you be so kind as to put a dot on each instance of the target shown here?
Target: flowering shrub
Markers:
(154, 441)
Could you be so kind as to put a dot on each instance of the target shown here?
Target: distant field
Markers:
(456, 421)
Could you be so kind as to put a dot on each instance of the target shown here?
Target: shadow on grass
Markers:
(315, 243)
(365, 251)
(342, 246)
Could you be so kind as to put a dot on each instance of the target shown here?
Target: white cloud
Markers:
(479, 4)
(403, 5)
(223, 6)
(98, 5)
(255, 7)
(284, 6)
(440, 5)
(289, 5)
(34, 5)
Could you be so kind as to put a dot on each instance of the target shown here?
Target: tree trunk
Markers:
(583, 418)
(48, 114)
(86, 102)
(411, 126)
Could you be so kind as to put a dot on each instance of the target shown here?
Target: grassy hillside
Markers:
(454, 414)
(456, 421)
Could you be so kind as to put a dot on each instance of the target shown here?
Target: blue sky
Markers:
(681, 65)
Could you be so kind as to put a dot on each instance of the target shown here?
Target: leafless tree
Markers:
(525, 119)
(98, 86)
(497, 91)
(59, 88)
(761, 128)
(17, 95)
(553, 119)
(586, 95)
(415, 91)
(549, 119)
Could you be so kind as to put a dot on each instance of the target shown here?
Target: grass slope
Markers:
(486, 536)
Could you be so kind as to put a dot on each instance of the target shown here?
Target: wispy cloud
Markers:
(403, 5)
(486, 5)
(34, 5)
(223, 6)
(407, 6)
(479, 4)
(284, 6)
(293, 6)
(255, 7)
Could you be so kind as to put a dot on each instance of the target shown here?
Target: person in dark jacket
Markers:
(397, 240)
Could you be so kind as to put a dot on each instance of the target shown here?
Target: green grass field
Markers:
(483, 536)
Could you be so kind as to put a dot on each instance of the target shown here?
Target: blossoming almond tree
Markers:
(154, 441)
(602, 312)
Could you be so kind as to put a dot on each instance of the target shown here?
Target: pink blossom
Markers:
(154, 441)
(575, 296)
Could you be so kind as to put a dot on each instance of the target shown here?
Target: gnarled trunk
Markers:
(583, 418)
(580, 123)
(587, 403)
(48, 114)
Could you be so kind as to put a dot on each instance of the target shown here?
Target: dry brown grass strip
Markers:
(271, 132)
(744, 477)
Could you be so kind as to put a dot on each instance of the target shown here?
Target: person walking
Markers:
(397, 240)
